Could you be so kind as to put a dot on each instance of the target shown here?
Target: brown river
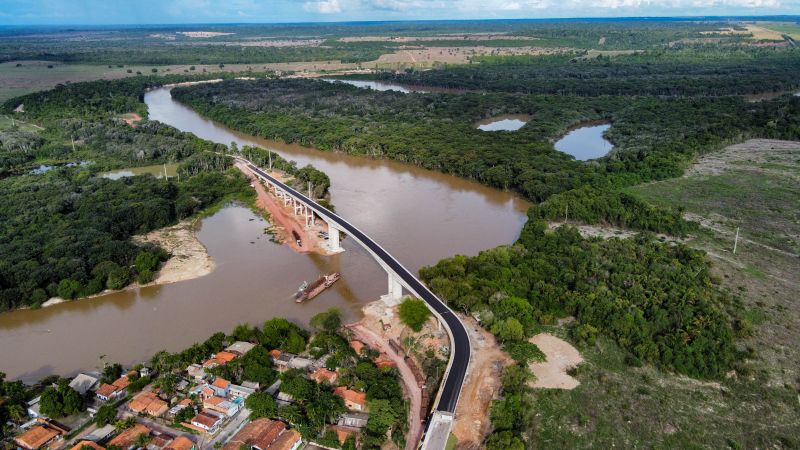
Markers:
(418, 215)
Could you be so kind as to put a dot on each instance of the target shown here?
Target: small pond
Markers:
(155, 170)
(376, 85)
(586, 142)
(508, 122)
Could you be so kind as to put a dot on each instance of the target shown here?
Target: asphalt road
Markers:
(460, 351)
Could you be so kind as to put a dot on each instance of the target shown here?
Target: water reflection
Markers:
(585, 142)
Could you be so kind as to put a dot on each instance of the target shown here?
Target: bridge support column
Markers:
(334, 241)
(395, 289)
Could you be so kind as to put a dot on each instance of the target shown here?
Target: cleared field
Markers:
(753, 186)
(792, 29)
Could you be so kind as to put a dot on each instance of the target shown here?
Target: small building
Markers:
(284, 399)
(240, 348)
(353, 420)
(148, 403)
(182, 386)
(235, 391)
(274, 354)
(288, 440)
(38, 436)
(144, 371)
(324, 376)
(196, 371)
(206, 421)
(185, 403)
(101, 434)
(298, 362)
(83, 444)
(342, 433)
(258, 434)
(254, 385)
(221, 387)
(181, 443)
(114, 390)
(220, 359)
(283, 360)
(221, 405)
(128, 437)
(34, 407)
(353, 400)
(84, 383)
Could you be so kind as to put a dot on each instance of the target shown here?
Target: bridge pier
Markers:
(395, 289)
(334, 240)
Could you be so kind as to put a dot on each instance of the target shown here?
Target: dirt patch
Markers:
(189, 260)
(131, 119)
(439, 37)
(561, 356)
(753, 151)
(483, 383)
(426, 56)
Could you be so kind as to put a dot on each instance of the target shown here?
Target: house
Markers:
(185, 403)
(220, 359)
(84, 383)
(288, 440)
(196, 371)
(114, 390)
(258, 434)
(324, 375)
(144, 372)
(101, 434)
(353, 400)
(284, 399)
(274, 354)
(182, 386)
(148, 403)
(38, 436)
(282, 361)
(33, 407)
(128, 437)
(353, 420)
(240, 348)
(254, 385)
(357, 346)
(181, 443)
(219, 404)
(83, 444)
(205, 421)
(298, 362)
(221, 387)
(235, 391)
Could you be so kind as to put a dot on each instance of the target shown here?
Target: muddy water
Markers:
(418, 215)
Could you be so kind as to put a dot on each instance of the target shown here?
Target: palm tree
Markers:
(17, 413)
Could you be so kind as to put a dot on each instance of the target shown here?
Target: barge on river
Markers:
(308, 292)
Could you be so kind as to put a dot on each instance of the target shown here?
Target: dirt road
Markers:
(410, 385)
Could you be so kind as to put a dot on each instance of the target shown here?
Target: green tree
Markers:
(329, 321)
(105, 415)
(504, 440)
(68, 288)
(261, 404)
(414, 313)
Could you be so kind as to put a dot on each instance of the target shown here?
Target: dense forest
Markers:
(655, 137)
(65, 230)
(658, 300)
(707, 72)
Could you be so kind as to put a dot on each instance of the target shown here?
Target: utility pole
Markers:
(269, 152)
(736, 240)
(566, 213)
(72, 138)
(165, 172)
(309, 191)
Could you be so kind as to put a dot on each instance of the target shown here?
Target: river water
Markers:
(418, 215)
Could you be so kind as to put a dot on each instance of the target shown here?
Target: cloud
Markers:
(323, 6)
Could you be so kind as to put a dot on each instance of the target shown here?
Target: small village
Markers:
(318, 398)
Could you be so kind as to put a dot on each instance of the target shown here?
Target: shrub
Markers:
(414, 313)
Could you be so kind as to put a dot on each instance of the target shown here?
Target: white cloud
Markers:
(323, 6)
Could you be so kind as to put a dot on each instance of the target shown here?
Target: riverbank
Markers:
(285, 225)
(190, 258)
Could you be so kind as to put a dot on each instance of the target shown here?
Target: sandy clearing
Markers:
(131, 119)
(203, 34)
(561, 356)
(753, 151)
(189, 260)
(483, 383)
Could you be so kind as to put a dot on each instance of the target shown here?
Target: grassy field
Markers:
(7, 122)
(792, 29)
(752, 186)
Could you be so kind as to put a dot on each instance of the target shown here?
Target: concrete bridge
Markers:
(440, 422)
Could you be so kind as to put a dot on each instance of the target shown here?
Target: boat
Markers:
(308, 292)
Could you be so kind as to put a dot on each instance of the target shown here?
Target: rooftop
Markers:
(180, 443)
(259, 433)
(128, 437)
(240, 347)
(351, 396)
(80, 445)
(36, 437)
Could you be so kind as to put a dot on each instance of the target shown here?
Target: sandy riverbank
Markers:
(189, 260)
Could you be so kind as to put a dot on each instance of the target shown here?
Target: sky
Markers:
(113, 12)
